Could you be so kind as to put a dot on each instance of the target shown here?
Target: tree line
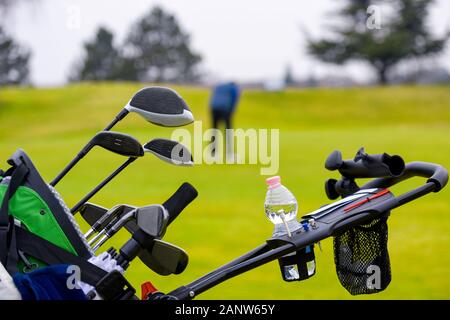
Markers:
(158, 49)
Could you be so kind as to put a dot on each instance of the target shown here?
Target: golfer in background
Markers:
(223, 103)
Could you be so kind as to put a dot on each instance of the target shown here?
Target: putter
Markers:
(151, 219)
(158, 105)
(167, 150)
(116, 142)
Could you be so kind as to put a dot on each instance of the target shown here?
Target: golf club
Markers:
(116, 142)
(170, 151)
(158, 105)
(112, 218)
(155, 254)
(104, 219)
(167, 150)
(151, 219)
(91, 213)
(163, 258)
(132, 148)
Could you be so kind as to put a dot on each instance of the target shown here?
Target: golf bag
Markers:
(37, 229)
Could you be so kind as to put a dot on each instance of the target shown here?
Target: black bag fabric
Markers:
(362, 258)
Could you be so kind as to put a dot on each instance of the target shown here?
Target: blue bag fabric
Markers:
(48, 283)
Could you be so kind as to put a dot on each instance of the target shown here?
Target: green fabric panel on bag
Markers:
(29, 208)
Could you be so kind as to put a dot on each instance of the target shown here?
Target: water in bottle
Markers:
(281, 208)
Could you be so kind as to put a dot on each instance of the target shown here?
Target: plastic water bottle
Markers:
(281, 208)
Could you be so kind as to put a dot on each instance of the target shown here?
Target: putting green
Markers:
(227, 219)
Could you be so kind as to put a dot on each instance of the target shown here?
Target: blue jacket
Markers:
(225, 97)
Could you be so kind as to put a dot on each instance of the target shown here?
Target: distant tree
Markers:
(14, 59)
(5, 5)
(157, 49)
(402, 37)
(101, 59)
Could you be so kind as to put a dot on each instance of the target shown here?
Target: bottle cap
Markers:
(273, 182)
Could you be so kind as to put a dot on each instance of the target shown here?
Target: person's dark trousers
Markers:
(220, 115)
(217, 117)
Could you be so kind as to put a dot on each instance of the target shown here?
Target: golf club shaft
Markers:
(95, 227)
(72, 163)
(102, 184)
(97, 236)
(100, 242)
(111, 229)
(119, 117)
(89, 233)
(83, 152)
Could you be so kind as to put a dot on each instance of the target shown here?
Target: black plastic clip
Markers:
(114, 286)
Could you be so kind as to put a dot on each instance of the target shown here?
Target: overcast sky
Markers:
(239, 39)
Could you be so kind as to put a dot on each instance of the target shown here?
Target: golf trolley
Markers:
(358, 224)
(37, 229)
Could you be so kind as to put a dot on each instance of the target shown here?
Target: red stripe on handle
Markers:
(360, 203)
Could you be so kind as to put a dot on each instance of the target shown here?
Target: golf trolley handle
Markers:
(435, 173)
(437, 179)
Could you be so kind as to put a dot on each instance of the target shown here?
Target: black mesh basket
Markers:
(362, 259)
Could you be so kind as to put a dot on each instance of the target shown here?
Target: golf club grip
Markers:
(179, 200)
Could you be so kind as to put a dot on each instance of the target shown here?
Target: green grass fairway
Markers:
(227, 219)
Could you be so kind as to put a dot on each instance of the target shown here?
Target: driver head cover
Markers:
(161, 106)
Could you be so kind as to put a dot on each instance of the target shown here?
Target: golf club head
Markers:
(165, 258)
(161, 106)
(117, 142)
(170, 151)
(153, 220)
(92, 212)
